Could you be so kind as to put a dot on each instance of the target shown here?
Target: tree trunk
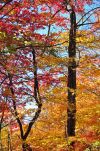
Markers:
(1, 147)
(26, 147)
(71, 110)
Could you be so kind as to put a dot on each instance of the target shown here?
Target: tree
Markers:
(72, 59)
(17, 45)
(23, 46)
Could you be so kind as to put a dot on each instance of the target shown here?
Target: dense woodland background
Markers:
(49, 75)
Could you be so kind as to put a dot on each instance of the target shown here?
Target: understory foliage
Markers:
(40, 46)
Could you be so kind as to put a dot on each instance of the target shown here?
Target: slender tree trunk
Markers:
(71, 111)
(9, 141)
(1, 121)
(1, 147)
(24, 136)
(25, 146)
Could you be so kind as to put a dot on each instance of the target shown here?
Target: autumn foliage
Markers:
(49, 75)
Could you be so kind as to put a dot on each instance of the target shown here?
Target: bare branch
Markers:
(87, 14)
(6, 4)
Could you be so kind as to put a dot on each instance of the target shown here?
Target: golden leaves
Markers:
(83, 38)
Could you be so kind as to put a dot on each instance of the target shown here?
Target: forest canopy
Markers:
(49, 75)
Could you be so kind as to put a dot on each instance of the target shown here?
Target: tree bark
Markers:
(1, 147)
(26, 147)
(71, 110)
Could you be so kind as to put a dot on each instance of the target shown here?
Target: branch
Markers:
(9, 11)
(1, 120)
(36, 96)
(88, 13)
(86, 24)
(14, 104)
(6, 4)
(33, 121)
(3, 80)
